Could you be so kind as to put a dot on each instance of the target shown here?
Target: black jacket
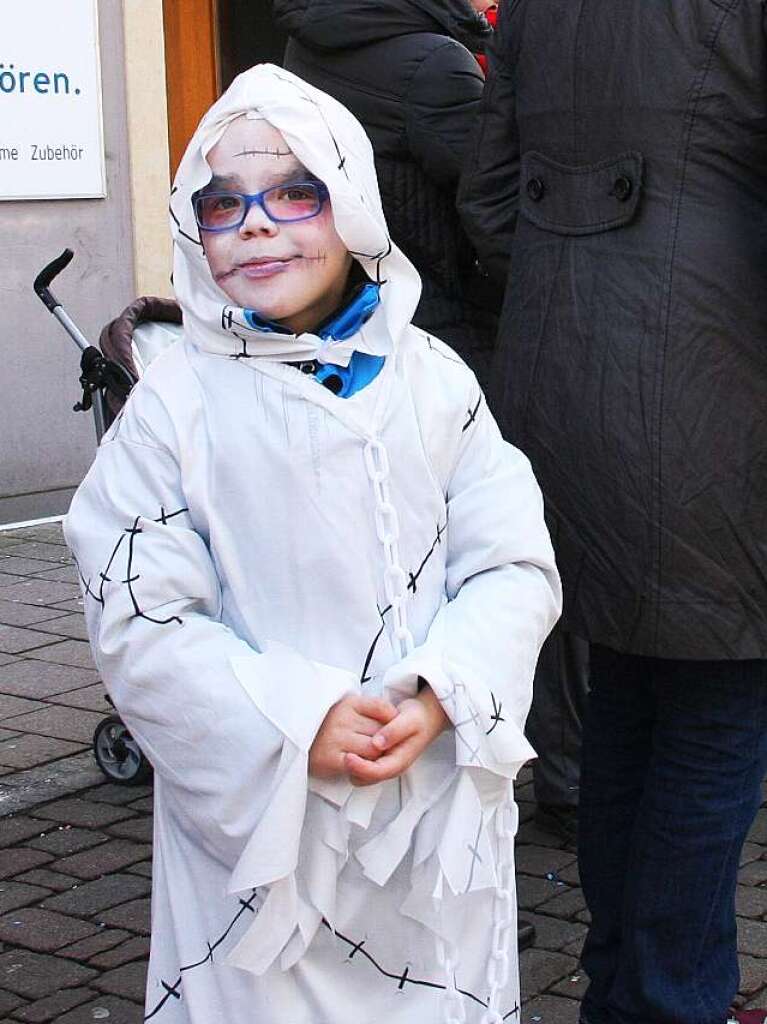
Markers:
(405, 69)
(621, 162)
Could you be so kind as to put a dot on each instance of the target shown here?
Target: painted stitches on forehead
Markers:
(265, 152)
(234, 183)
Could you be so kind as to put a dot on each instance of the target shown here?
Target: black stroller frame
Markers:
(117, 754)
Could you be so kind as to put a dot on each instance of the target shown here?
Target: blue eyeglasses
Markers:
(284, 204)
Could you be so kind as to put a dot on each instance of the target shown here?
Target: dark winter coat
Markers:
(621, 160)
(405, 69)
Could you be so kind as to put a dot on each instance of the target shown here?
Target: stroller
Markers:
(127, 346)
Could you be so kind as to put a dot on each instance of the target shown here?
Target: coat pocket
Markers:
(580, 200)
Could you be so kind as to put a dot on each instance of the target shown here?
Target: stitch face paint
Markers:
(291, 273)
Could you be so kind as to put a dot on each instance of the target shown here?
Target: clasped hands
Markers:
(370, 740)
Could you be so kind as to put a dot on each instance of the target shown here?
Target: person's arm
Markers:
(488, 193)
(441, 107)
(503, 595)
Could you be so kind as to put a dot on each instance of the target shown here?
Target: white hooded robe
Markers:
(252, 549)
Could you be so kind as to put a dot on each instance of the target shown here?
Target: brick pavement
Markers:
(75, 854)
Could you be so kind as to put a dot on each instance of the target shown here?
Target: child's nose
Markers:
(257, 223)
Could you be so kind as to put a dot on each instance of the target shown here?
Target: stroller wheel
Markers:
(118, 755)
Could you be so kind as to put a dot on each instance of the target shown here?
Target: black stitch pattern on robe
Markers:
(131, 532)
(403, 977)
(173, 991)
(472, 414)
(496, 717)
(444, 355)
(412, 586)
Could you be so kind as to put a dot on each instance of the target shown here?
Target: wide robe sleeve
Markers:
(198, 699)
(503, 598)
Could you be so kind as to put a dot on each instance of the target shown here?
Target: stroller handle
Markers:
(43, 280)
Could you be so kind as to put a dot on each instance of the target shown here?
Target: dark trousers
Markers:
(674, 753)
(555, 721)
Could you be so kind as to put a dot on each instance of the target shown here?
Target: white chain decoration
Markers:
(387, 528)
(503, 914)
(395, 588)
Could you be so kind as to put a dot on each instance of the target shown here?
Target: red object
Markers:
(491, 15)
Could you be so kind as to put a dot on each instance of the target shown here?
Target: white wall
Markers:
(45, 448)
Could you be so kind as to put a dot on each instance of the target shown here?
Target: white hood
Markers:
(331, 143)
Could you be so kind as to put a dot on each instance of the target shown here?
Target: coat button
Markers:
(535, 189)
(622, 188)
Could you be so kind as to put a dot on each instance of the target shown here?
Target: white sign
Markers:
(51, 133)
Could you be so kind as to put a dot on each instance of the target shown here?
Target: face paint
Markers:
(292, 273)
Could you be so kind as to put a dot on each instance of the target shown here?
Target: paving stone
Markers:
(76, 811)
(531, 892)
(128, 981)
(64, 574)
(10, 706)
(62, 840)
(20, 894)
(145, 805)
(109, 857)
(51, 880)
(566, 905)
(531, 834)
(36, 975)
(750, 902)
(17, 860)
(29, 750)
(754, 873)
(42, 930)
(759, 1002)
(36, 591)
(15, 614)
(72, 626)
(105, 939)
(573, 986)
(8, 1002)
(112, 793)
(752, 937)
(51, 533)
(119, 1011)
(550, 1010)
(573, 949)
(68, 652)
(753, 974)
(140, 829)
(99, 895)
(541, 861)
(144, 869)
(134, 916)
(758, 831)
(750, 852)
(540, 969)
(51, 1008)
(570, 875)
(23, 566)
(92, 698)
(7, 659)
(38, 679)
(552, 933)
(57, 553)
(15, 640)
(75, 604)
(63, 723)
(135, 948)
(17, 827)
(7, 579)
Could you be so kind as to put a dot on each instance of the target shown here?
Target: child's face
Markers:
(293, 273)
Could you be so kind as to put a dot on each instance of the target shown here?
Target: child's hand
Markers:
(347, 729)
(419, 722)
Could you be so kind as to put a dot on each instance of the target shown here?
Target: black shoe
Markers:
(525, 934)
(559, 820)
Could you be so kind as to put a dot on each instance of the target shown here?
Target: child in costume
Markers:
(317, 581)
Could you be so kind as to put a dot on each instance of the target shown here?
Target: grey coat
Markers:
(618, 176)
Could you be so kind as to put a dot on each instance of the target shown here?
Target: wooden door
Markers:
(192, 68)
